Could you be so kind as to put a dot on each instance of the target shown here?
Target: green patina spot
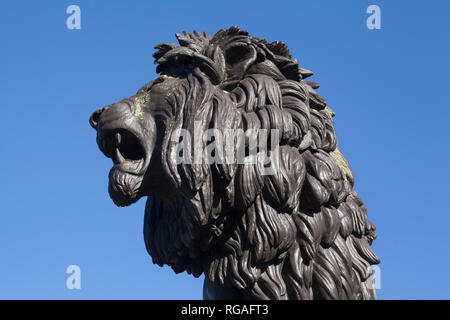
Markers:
(330, 111)
(343, 164)
(140, 103)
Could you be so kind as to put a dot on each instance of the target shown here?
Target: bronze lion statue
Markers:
(297, 232)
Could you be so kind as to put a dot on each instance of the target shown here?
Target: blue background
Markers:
(389, 89)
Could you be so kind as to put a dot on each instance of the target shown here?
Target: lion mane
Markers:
(300, 233)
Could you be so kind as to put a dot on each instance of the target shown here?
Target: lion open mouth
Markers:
(125, 149)
(128, 156)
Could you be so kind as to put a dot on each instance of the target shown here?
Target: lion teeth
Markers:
(118, 138)
(118, 156)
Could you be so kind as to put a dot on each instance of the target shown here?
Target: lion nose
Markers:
(94, 118)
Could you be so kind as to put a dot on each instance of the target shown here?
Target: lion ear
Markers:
(239, 57)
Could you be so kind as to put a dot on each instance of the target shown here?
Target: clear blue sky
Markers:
(389, 89)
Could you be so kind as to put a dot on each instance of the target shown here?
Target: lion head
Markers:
(296, 231)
